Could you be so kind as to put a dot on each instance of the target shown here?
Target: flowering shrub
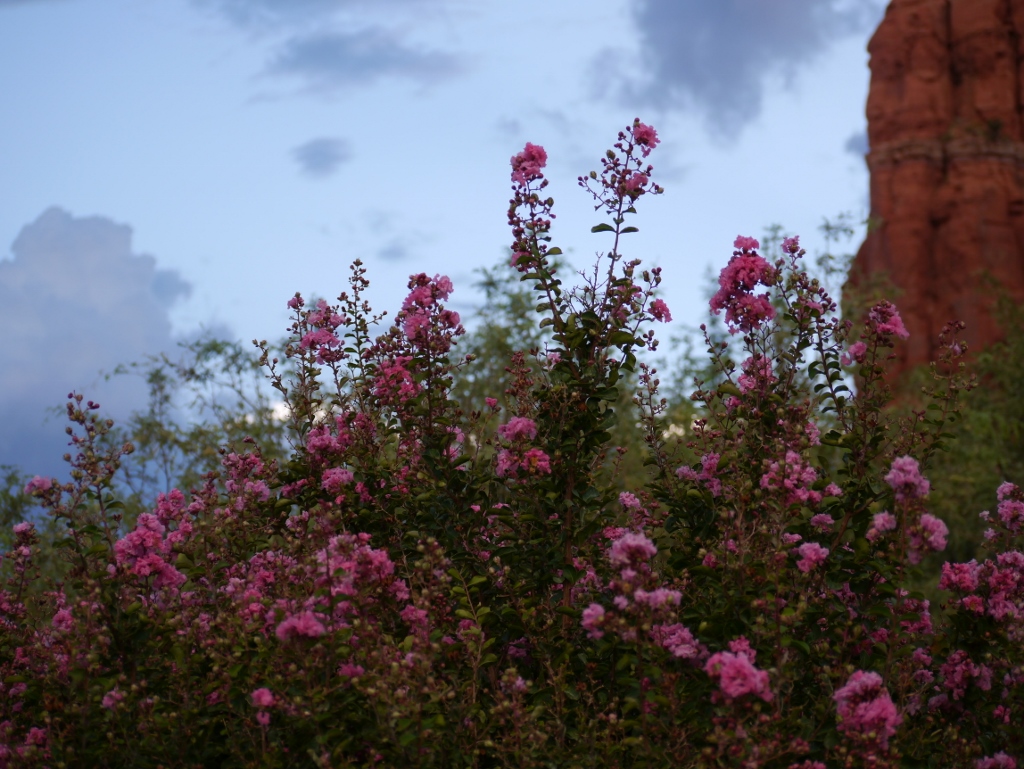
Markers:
(413, 588)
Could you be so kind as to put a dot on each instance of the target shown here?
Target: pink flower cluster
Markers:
(422, 320)
(865, 708)
(929, 534)
(1011, 507)
(906, 480)
(994, 588)
(856, 354)
(811, 555)
(998, 761)
(747, 269)
(794, 477)
(659, 311)
(142, 552)
(631, 549)
(708, 468)
(321, 338)
(959, 672)
(527, 165)
(518, 459)
(757, 374)
(736, 675)
(885, 319)
(645, 137)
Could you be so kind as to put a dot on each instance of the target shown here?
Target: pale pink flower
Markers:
(630, 549)
(593, 616)
(998, 761)
(263, 698)
(822, 521)
(856, 354)
(881, 523)
(518, 428)
(645, 136)
(304, 624)
(660, 311)
(527, 165)
(38, 484)
(737, 676)
(811, 555)
(886, 320)
(864, 707)
(678, 640)
(112, 698)
(906, 480)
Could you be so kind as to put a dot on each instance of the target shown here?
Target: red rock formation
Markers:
(946, 131)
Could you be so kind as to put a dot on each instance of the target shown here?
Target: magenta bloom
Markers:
(645, 136)
(856, 354)
(745, 270)
(678, 640)
(112, 698)
(304, 624)
(811, 555)
(518, 428)
(660, 311)
(998, 761)
(263, 698)
(962, 577)
(593, 616)
(881, 523)
(38, 484)
(631, 548)
(934, 532)
(886, 320)
(737, 676)
(865, 707)
(527, 165)
(336, 478)
(906, 479)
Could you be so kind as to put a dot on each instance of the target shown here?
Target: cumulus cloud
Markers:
(321, 157)
(713, 56)
(75, 300)
(328, 60)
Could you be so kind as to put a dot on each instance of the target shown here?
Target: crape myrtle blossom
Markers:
(744, 311)
(997, 761)
(708, 468)
(631, 549)
(737, 676)
(906, 480)
(929, 534)
(527, 165)
(811, 555)
(794, 477)
(885, 319)
(865, 709)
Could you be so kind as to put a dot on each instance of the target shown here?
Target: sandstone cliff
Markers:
(946, 131)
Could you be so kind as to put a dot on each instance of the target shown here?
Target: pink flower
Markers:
(678, 640)
(864, 707)
(112, 698)
(658, 597)
(348, 670)
(593, 616)
(634, 185)
(744, 243)
(791, 245)
(645, 136)
(62, 621)
(998, 761)
(304, 624)
(629, 501)
(906, 480)
(38, 484)
(811, 555)
(737, 676)
(631, 549)
(881, 523)
(886, 320)
(492, 403)
(856, 353)
(536, 462)
(263, 717)
(745, 270)
(336, 478)
(822, 521)
(518, 428)
(934, 531)
(660, 311)
(263, 698)
(757, 374)
(527, 165)
(24, 527)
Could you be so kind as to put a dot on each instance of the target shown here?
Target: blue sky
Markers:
(256, 147)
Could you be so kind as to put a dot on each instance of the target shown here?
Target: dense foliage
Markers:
(420, 582)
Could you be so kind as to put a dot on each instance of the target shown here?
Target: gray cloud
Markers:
(713, 56)
(857, 144)
(321, 157)
(328, 60)
(74, 301)
(393, 252)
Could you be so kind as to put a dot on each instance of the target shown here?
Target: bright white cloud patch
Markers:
(74, 301)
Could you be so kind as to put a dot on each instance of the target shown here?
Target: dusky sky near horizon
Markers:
(256, 147)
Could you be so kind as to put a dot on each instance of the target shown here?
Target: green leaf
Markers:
(603, 227)
(627, 230)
